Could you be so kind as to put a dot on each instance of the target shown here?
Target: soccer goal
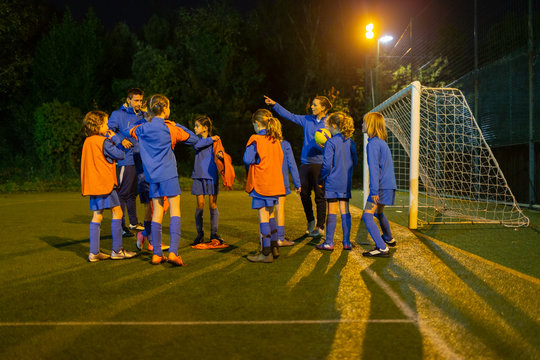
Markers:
(443, 162)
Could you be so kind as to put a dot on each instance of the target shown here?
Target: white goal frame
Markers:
(450, 182)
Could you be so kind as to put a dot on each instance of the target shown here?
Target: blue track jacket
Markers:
(289, 165)
(120, 122)
(381, 168)
(311, 152)
(339, 160)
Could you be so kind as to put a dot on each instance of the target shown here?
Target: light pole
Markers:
(382, 39)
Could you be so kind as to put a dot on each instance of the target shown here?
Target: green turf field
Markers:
(445, 292)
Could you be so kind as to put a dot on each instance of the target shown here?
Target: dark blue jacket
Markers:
(339, 160)
(311, 152)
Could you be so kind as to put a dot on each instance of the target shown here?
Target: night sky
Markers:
(393, 15)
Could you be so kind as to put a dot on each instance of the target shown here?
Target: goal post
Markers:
(442, 161)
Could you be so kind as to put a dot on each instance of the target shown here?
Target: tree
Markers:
(66, 63)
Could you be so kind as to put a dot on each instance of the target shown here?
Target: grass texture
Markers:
(438, 296)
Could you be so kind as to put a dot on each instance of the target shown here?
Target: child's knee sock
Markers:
(273, 232)
(265, 232)
(175, 231)
(281, 232)
(116, 232)
(373, 230)
(331, 221)
(385, 226)
(199, 221)
(94, 237)
(147, 228)
(156, 238)
(346, 227)
(214, 220)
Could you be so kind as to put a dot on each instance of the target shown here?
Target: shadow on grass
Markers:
(405, 338)
(520, 322)
(67, 244)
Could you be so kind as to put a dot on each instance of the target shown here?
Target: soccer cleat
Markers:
(376, 253)
(217, 237)
(198, 240)
(163, 247)
(317, 232)
(325, 246)
(122, 254)
(285, 242)
(156, 259)
(176, 260)
(275, 248)
(391, 242)
(137, 227)
(97, 257)
(347, 246)
(310, 227)
(261, 258)
(126, 232)
(140, 240)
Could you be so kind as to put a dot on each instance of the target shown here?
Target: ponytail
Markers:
(344, 123)
(157, 104)
(272, 125)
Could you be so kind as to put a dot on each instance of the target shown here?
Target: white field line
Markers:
(198, 323)
(412, 315)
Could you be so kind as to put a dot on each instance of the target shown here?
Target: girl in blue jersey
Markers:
(382, 184)
(156, 143)
(311, 159)
(205, 179)
(289, 166)
(339, 160)
(265, 184)
(98, 179)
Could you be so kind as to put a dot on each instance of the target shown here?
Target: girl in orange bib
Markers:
(264, 159)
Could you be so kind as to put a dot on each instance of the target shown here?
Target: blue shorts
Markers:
(100, 202)
(386, 197)
(204, 187)
(336, 195)
(167, 188)
(259, 201)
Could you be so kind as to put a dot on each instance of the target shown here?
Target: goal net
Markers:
(443, 162)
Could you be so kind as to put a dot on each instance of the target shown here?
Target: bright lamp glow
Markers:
(370, 34)
(386, 38)
(369, 27)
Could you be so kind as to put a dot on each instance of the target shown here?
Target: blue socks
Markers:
(373, 230)
(281, 232)
(265, 232)
(346, 228)
(94, 237)
(331, 221)
(156, 238)
(147, 228)
(199, 221)
(116, 231)
(273, 229)
(214, 220)
(175, 231)
(385, 226)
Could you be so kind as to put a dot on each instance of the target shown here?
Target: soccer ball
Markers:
(321, 136)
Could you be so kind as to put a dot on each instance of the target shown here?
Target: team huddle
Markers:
(142, 142)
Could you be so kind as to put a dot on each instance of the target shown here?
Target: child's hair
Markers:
(344, 123)
(204, 120)
(324, 102)
(93, 121)
(134, 91)
(272, 125)
(157, 104)
(375, 125)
